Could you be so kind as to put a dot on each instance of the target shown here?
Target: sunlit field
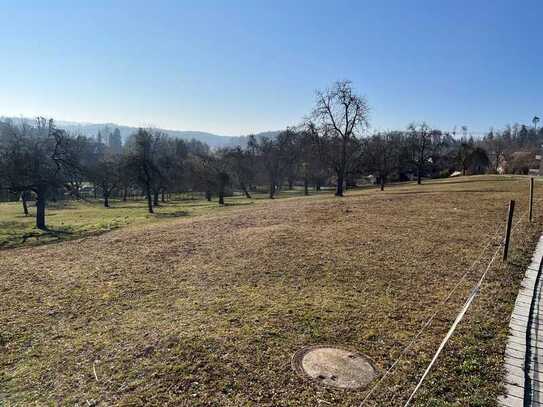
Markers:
(205, 305)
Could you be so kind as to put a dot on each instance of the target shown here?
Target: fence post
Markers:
(508, 229)
(531, 198)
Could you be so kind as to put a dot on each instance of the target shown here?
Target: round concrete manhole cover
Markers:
(331, 366)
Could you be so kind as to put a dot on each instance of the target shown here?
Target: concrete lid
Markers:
(335, 367)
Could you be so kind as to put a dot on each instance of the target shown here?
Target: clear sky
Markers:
(236, 67)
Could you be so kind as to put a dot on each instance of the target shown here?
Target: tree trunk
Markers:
(155, 198)
(419, 174)
(125, 194)
(272, 189)
(24, 197)
(221, 195)
(306, 186)
(245, 191)
(162, 198)
(106, 200)
(341, 172)
(339, 185)
(40, 210)
(149, 201)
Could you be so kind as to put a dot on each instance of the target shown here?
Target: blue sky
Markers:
(236, 67)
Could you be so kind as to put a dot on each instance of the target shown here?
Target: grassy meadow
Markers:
(205, 305)
(73, 219)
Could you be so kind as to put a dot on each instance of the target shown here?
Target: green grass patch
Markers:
(69, 220)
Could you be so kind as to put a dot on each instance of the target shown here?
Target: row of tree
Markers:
(41, 161)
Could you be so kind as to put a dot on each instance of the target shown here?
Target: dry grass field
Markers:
(208, 310)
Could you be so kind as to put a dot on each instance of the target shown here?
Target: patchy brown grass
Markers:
(209, 310)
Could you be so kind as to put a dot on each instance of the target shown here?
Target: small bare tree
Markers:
(463, 155)
(495, 146)
(381, 153)
(420, 140)
(141, 161)
(241, 166)
(105, 173)
(212, 173)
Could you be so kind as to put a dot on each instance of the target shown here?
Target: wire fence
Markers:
(494, 240)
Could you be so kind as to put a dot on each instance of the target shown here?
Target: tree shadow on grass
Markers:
(36, 237)
(23, 216)
(57, 232)
(177, 214)
(47, 234)
(238, 203)
(8, 224)
(137, 206)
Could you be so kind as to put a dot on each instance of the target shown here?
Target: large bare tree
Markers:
(36, 158)
(341, 114)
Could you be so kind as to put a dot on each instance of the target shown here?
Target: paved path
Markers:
(524, 351)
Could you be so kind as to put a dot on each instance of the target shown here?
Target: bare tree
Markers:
(105, 172)
(341, 113)
(275, 155)
(479, 161)
(171, 156)
(241, 166)
(421, 141)
(212, 171)
(315, 156)
(36, 158)
(270, 155)
(141, 160)
(381, 154)
(494, 144)
(463, 155)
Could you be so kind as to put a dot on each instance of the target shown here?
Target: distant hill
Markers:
(92, 129)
